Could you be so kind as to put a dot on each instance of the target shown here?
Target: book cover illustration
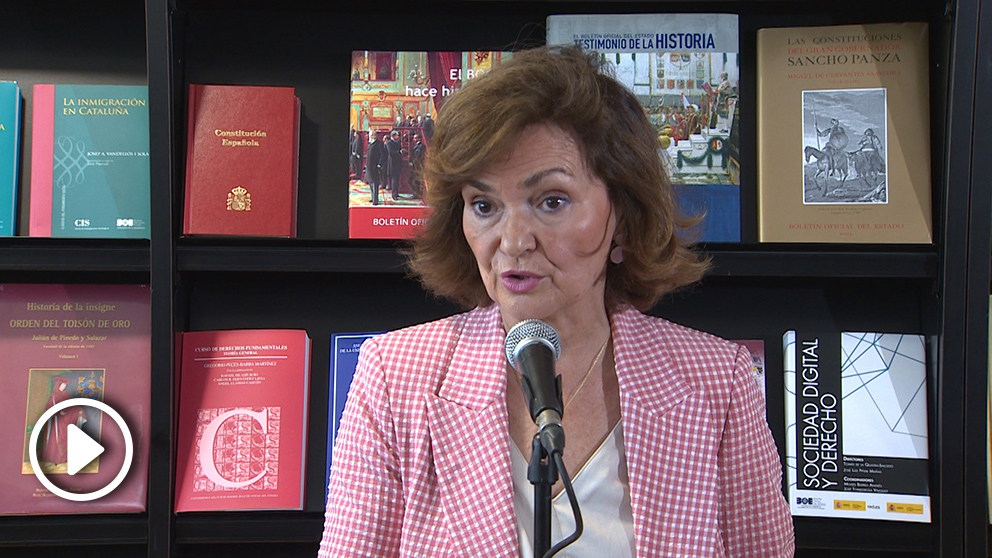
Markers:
(48, 387)
(63, 342)
(242, 420)
(90, 172)
(395, 96)
(242, 161)
(344, 360)
(685, 70)
(843, 134)
(856, 425)
(10, 155)
(838, 168)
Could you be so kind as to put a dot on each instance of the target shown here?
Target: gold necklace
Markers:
(592, 366)
(575, 392)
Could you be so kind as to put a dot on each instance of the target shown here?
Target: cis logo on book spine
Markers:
(84, 446)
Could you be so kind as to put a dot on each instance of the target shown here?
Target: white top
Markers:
(603, 492)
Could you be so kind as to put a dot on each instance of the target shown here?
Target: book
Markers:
(90, 175)
(10, 155)
(856, 425)
(685, 70)
(242, 431)
(401, 92)
(242, 153)
(344, 360)
(63, 342)
(844, 134)
(757, 349)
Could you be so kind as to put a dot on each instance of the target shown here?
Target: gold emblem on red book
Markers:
(238, 199)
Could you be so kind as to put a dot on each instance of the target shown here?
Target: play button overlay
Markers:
(81, 449)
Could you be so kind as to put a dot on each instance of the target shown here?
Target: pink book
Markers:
(242, 420)
(67, 342)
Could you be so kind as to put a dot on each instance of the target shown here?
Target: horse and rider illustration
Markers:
(834, 161)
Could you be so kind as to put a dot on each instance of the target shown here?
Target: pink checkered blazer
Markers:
(422, 460)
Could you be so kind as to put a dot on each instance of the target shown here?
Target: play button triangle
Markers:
(81, 449)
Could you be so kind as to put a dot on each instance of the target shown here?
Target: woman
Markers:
(549, 201)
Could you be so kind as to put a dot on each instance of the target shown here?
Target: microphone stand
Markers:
(542, 473)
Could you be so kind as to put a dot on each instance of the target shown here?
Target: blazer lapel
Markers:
(662, 425)
(470, 441)
(645, 380)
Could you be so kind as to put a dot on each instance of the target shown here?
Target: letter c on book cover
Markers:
(207, 447)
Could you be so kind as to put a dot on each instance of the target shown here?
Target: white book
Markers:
(856, 425)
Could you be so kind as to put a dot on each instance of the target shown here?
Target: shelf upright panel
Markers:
(951, 487)
(161, 109)
(976, 519)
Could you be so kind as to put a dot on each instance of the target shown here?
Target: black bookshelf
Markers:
(322, 280)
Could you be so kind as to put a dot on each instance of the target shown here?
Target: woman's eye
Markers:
(482, 207)
(553, 202)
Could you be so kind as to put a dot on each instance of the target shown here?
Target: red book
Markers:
(241, 161)
(64, 342)
(242, 420)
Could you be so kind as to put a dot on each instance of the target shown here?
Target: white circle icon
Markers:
(84, 445)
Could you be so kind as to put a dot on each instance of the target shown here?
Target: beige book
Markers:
(844, 134)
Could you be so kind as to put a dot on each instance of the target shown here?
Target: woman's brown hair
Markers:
(575, 91)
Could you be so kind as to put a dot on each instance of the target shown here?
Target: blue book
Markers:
(90, 175)
(344, 359)
(10, 155)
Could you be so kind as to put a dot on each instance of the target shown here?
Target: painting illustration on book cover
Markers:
(685, 71)
(395, 98)
(690, 98)
(48, 387)
(844, 147)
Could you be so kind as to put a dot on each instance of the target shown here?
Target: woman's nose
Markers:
(518, 232)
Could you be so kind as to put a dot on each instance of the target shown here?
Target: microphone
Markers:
(532, 347)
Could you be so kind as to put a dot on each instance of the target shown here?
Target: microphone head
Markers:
(528, 332)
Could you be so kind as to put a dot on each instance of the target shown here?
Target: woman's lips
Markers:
(519, 281)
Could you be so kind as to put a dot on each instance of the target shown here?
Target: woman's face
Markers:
(540, 224)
